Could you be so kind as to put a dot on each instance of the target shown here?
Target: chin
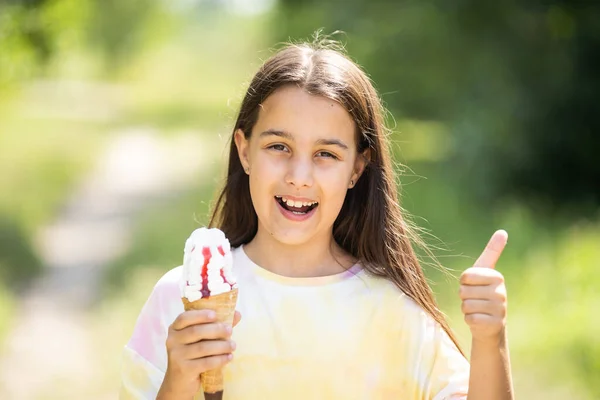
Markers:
(290, 236)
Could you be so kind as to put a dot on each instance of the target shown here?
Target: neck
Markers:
(321, 256)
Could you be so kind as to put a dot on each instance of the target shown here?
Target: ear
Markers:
(359, 166)
(243, 147)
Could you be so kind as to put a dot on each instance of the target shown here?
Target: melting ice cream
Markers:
(207, 265)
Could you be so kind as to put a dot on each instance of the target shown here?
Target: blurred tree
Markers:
(516, 83)
(116, 27)
(18, 263)
(24, 41)
(33, 32)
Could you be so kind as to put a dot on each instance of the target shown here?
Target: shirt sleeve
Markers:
(140, 380)
(450, 371)
(443, 371)
(144, 359)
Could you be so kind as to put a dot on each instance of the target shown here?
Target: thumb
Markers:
(236, 318)
(493, 250)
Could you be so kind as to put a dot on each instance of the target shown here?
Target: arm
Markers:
(484, 305)
(490, 376)
(195, 344)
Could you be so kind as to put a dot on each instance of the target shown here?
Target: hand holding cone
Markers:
(224, 305)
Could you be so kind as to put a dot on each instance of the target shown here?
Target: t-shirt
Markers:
(346, 336)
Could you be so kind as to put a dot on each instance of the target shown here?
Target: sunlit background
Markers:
(114, 117)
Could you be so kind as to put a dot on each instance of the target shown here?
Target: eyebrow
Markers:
(288, 136)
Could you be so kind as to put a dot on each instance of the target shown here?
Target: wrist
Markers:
(166, 394)
(169, 390)
(498, 341)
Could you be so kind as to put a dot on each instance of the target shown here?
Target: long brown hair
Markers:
(383, 244)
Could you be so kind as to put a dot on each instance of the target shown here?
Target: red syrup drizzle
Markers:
(220, 248)
(206, 254)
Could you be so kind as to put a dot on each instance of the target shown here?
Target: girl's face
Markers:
(301, 159)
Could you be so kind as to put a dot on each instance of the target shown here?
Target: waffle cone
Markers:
(224, 305)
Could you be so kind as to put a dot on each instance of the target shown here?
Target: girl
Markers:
(334, 300)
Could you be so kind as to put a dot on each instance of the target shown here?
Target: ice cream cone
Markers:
(224, 305)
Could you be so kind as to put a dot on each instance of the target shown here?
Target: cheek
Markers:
(263, 180)
(334, 189)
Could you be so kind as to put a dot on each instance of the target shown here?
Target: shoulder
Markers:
(243, 267)
(238, 255)
(171, 277)
(388, 292)
(406, 319)
(166, 291)
(168, 284)
(162, 306)
(150, 330)
(399, 307)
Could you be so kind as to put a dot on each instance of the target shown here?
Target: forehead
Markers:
(303, 115)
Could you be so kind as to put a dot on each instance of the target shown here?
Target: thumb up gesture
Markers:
(483, 293)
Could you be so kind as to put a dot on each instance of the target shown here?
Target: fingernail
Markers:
(212, 314)
(230, 357)
(233, 345)
(228, 329)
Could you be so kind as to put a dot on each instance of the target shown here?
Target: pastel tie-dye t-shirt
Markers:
(345, 336)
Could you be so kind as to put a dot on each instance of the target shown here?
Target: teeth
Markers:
(297, 204)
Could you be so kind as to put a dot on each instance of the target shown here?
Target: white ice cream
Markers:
(191, 279)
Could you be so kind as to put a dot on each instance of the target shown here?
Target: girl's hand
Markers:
(483, 294)
(195, 344)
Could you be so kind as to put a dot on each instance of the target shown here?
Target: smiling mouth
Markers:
(296, 207)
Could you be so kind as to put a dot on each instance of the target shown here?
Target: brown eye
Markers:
(277, 147)
(326, 154)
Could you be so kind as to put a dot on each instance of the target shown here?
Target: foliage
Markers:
(516, 83)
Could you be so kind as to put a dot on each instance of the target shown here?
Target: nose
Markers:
(300, 172)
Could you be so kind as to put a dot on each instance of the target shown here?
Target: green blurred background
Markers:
(114, 117)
